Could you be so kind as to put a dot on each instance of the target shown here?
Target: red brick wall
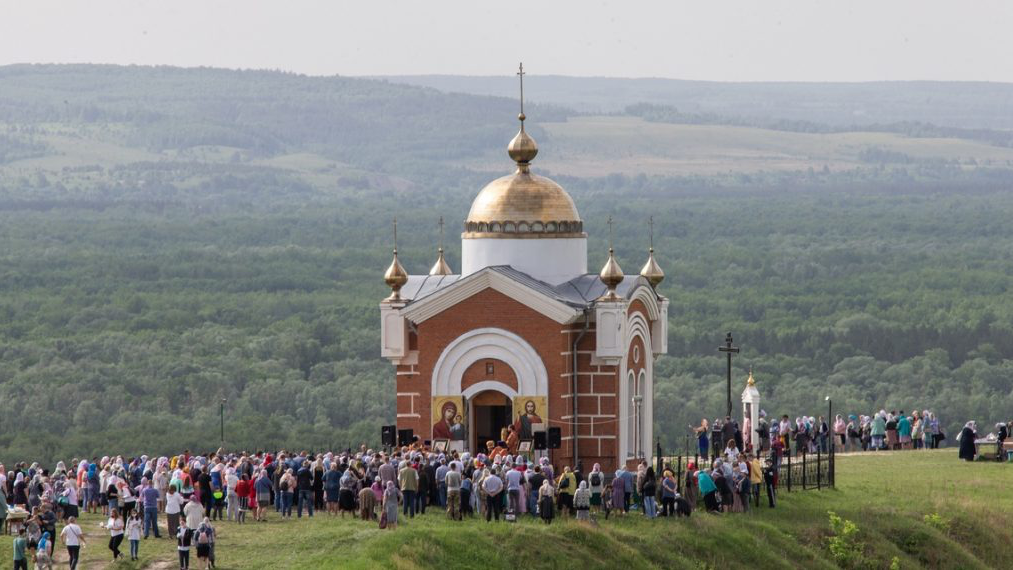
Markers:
(597, 385)
(488, 308)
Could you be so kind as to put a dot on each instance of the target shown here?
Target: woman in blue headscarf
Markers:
(44, 556)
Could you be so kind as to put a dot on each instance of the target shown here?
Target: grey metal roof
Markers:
(579, 292)
(419, 286)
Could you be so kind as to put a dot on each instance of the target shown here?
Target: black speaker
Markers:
(404, 436)
(540, 442)
(555, 438)
(388, 436)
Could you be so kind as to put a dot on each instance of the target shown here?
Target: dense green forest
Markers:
(169, 238)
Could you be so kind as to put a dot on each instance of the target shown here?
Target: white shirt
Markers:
(115, 526)
(194, 515)
(173, 503)
(134, 529)
(71, 535)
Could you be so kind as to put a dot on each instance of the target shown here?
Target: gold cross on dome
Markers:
(520, 73)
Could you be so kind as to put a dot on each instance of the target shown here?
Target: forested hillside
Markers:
(169, 238)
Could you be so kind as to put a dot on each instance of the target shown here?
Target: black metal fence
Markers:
(803, 472)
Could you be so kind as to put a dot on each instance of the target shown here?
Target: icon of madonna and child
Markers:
(450, 419)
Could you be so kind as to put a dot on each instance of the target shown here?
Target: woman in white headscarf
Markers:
(546, 505)
(391, 496)
(20, 490)
(582, 502)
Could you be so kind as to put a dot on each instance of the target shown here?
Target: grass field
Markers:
(582, 146)
(887, 496)
(598, 146)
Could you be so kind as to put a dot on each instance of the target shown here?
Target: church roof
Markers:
(570, 297)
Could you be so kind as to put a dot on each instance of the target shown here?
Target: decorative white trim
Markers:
(499, 344)
(649, 298)
(484, 385)
(435, 303)
(637, 326)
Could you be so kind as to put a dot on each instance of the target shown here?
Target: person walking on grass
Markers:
(134, 524)
(184, 539)
(115, 526)
(44, 555)
(73, 538)
(21, 550)
(206, 543)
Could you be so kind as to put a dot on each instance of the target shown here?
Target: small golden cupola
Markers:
(395, 277)
(651, 270)
(611, 274)
(441, 267)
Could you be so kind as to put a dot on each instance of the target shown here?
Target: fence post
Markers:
(819, 471)
(803, 470)
(788, 455)
(833, 469)
(679, 483)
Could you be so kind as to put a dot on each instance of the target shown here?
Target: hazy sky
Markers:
(728, 40)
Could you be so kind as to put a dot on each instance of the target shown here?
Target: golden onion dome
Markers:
(395, 277)
(441, 267)
(611, 275)
(522, 149)
(652, 271)
(523, 204)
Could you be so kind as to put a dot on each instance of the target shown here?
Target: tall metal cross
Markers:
(650, 223)
(610, 234)
(441, 233)
(395, 236)
(520, 73)
(729, 349)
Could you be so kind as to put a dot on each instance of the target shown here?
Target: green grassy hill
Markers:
(912, 510)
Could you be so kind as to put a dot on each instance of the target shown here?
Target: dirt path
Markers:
(96, 555)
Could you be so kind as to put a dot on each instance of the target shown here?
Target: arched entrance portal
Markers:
(491, 411)
(489, 393)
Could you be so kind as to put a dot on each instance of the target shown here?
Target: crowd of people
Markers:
(881, 431)
(191, 494)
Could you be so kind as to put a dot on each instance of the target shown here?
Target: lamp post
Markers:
(222, 414)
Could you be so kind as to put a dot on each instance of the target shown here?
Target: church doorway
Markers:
(492, 411)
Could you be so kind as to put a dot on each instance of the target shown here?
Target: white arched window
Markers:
(642, 443)
(631, 412)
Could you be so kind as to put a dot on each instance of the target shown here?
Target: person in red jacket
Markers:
(243, 488)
